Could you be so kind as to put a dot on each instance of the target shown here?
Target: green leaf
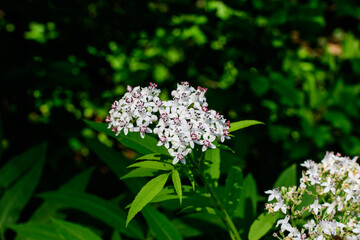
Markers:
(116, 236)
(115, 161)
(248, 199)
(153, 165)
(287, 178)
(243, 124)
(132, 140)
(96, 207)
(72, 231)
(160, 225)
(262, 225)
(16, 197)
(140, 172)
(48, 209)
(233, 188)
(36, 231)
(177, 183)
(212, 171)
(225, 147)
(15, 168)
(151, 156)
(146, 194)
(190, 176)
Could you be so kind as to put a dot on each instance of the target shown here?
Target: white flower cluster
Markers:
(178, 123)
(334, 185)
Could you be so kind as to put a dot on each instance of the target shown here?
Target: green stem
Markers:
(234, 234)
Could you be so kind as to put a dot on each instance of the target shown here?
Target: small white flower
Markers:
(280, 205)
(316, 207)
(284, 223)
(275, 193)
(179, 155)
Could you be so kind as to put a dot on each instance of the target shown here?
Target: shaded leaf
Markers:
(72, 231)
(243, 124)
(160, 225)
(146, 194)
(248, 199)
(116, 162)
(96, 207)
(132, 140)
(16, 167)
(140, 172)
(16, 197)
(225, 147)
(153, 165)
(233, 188)
(48, 209)
(287, 178)
(36, 231)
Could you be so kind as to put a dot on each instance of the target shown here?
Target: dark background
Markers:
(293, 65)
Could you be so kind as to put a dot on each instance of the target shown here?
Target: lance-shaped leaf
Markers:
(96, 207)
(115, 161)
(243, 124)
(14, 168)
(153, 165)
(160, 225)
(132, 140)
(72, 231)
(146, 194)
(140, 172)
(177, 183)
(48, 209)
(16, 197)
(36, 231)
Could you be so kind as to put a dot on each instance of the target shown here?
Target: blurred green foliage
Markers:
(293, 65)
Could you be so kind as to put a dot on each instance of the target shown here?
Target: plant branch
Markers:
(234, 234)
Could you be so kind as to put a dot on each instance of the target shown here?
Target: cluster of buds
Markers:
(179, 123)
(333, 189)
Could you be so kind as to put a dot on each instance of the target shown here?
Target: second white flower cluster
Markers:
(179, 123)
(334, 186)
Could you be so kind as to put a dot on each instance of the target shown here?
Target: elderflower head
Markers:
(179, 123)
(333, 212)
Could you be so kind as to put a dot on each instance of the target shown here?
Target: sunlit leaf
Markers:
(243, 124)
(262, 225)
(72, 231)
(177, 183)
(146, 194)
(160, 225)
(212, 171)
